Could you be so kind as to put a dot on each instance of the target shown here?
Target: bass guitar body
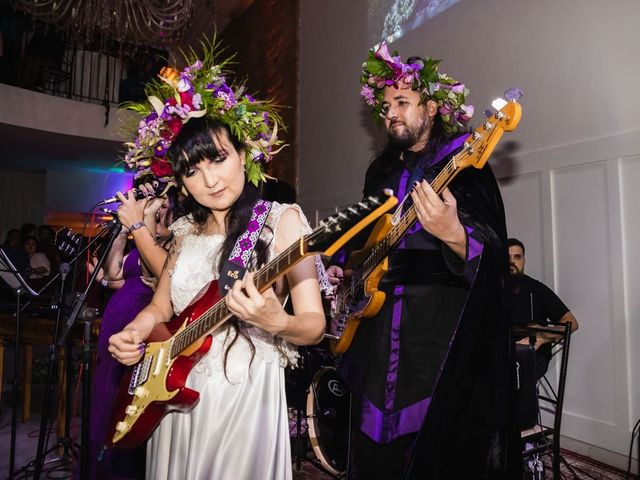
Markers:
(360, 299)
(156, 386)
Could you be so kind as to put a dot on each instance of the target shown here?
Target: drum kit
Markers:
(319, 406)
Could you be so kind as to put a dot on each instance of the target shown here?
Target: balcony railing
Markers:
(37, 57)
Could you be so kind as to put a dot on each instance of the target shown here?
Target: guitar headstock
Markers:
(335, 231)
(481, 143)
(68, 242)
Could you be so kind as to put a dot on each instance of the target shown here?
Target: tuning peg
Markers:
(499, 103)
(513, 94)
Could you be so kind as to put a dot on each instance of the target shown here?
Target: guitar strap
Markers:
(447, 149)
(236, 265)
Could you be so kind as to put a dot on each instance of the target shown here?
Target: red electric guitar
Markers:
(156, 385)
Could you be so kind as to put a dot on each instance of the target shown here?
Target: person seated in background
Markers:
(39, 265)
(532, 302)
(28, 230)
(13, 249)
(12, 239)
(46, 245)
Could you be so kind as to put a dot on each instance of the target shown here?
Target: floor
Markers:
(573, 466)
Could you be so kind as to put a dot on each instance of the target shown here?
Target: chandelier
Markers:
(143, 22)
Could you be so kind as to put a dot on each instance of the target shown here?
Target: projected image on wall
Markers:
(391, 19)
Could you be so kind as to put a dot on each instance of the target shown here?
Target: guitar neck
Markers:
(219, 312)
(409, 217)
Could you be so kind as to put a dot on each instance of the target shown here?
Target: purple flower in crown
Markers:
(225, 93)
(161, 148)
(410, 73)
(196, 100)
(378, 82)
(369, 95)
(250, 99)
(445, 109)
(467, 112)
(190, 71)
(457, 88)
(222, 88)
(184, 84)
(393, 63)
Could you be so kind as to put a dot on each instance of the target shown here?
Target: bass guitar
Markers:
(358, 297)
(156, 385)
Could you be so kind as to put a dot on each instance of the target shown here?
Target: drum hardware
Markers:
(320, 404)
(328, 412)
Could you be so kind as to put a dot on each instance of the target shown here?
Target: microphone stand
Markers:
(46, 403)
(64, 339)
(14, 279)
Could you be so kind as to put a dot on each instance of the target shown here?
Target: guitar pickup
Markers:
(140, 374)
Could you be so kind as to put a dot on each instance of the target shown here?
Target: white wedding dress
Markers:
(239, 429)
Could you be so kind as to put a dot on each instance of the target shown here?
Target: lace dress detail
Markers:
(244, 404)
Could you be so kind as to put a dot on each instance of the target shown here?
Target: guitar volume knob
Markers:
(122, 427)
(141, 392)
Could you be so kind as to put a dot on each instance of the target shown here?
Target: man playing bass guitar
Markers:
(430, 371)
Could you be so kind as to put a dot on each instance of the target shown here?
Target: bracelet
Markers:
(104, 282)
(136, 226)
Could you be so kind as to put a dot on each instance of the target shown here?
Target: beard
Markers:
(407, 137)
(514, 271)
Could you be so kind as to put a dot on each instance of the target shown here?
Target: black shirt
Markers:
(531, 301)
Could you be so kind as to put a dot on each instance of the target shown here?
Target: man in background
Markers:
(532, 302)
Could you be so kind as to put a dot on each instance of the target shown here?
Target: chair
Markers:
(546, 438)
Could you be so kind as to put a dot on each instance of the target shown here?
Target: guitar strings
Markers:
(219, 311)
(441, 179)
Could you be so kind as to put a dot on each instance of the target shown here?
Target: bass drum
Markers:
(328, 414)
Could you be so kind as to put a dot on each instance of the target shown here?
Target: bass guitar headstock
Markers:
(481, 143)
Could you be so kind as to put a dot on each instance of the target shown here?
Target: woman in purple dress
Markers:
(133, 275)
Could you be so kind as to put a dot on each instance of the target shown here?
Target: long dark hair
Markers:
(195, 143)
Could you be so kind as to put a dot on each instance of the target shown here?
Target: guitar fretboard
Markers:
(408, 218)
(219, 312)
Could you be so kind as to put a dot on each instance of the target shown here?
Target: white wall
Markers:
(569, 174)
(25, 108)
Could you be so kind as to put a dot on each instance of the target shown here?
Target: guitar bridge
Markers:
(140, 374)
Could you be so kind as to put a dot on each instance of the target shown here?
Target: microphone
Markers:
(65, 268)
(158, 189)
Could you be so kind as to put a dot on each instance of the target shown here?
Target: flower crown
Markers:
(420, 74)
(201, 89)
